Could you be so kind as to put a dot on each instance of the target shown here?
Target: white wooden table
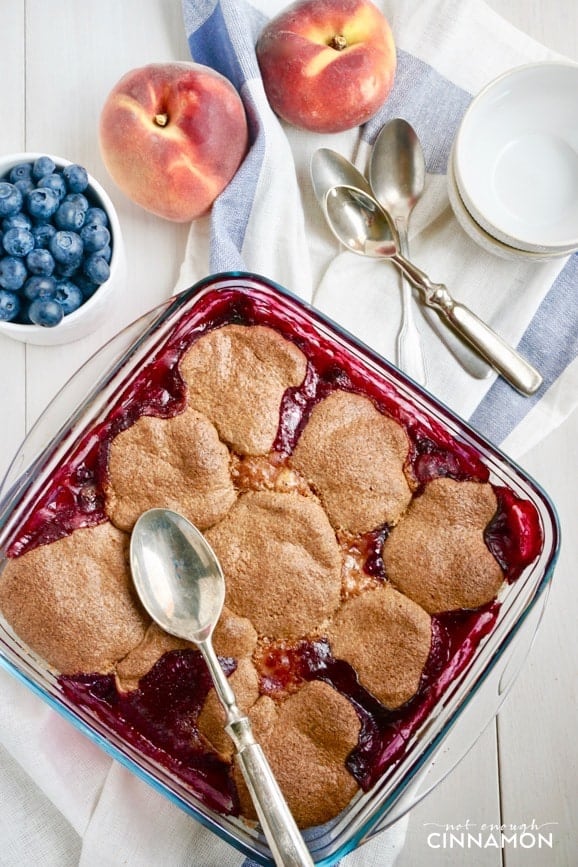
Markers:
(57, 64)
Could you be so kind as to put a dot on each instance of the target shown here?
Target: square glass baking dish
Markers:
(456, 713)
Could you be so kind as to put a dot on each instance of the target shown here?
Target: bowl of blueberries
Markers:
(61, 250)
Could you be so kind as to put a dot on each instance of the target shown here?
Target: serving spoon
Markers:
(181, 585)
(397, 178)
(362, 225)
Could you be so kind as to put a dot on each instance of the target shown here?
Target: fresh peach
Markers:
(327, 65)
(172, 135)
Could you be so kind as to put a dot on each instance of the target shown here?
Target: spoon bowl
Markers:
(178, 577)
(397, 171)
(329, 169)
(360, 223)
(357, 220)
(181, 585)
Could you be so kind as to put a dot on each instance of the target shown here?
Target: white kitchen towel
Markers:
(64, 802)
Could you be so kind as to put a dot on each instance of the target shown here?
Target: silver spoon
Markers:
(329, 168)
(397, 177)
(361, 224)
(181, 585)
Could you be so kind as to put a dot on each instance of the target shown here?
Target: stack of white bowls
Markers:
(513, 170)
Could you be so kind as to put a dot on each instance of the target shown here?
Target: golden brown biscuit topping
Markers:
(237, 375)
(281, 562)
(354, 457)
(212, 719)
(386, 638)
(73, 601)
(437, 554)
(177, 463)
(307, 740)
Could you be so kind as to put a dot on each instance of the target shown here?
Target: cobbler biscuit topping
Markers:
(177, 463)
(281, 562)
(307, 740)
(437, 555)
(354, 458)
(73, 601)
(237, 376)
(390, 654)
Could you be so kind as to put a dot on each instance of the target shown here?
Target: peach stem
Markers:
(338, 42)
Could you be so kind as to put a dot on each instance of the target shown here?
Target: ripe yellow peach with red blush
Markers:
(172, 136)
(327, 65)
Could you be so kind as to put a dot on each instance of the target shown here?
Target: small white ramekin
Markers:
(90, 315)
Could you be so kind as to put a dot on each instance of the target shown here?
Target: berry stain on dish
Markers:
(162, 710)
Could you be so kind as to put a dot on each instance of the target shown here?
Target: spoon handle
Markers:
(284, 838)
(409, 348)
(285, 841)
(503, 357)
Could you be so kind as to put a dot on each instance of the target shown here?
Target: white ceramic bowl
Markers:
(516, 158)
(94, 311)
(484, 240)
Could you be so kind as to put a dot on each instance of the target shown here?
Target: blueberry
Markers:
(77, 199)
(66, 247)
(40, 261)
(42, 203)
(96, 268)
(96, 215)
(25, 185)
(12, 273)
(106, 253)
(42, 166)
(54, 182)
(76, 178)
(69, 217)
(43, 234)
(69, 296)
(20, 172)
(70, 270)
(86, 286)
(46, 312)
(10, 199)
(94, 237)
(10, 305)
(18, 242)
(39, 287)
(19, 220)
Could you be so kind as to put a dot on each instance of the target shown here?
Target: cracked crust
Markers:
(437, 555)
(236, 375)
(177, 463)
(354, 458)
